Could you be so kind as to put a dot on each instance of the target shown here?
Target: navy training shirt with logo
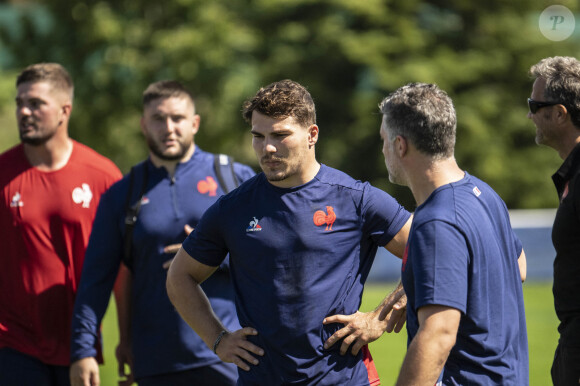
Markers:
(298, 255)
(462, 253)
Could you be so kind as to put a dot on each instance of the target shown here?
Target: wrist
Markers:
(218, 340)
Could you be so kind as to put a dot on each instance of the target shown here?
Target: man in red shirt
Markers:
(50, 186)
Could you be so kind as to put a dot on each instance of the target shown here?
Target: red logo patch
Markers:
(321, 218)
(207, 186)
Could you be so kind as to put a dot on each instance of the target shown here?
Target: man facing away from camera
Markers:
(464, 266)
(302, 238)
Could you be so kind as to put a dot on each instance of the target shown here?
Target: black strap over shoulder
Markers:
(224, 170)
(131, 214)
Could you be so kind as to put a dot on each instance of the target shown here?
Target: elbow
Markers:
(446, 337)
(523, 266)
(447, 341)
(170, 286)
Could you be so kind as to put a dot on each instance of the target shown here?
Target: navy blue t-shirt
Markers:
(298, 255)
(462, 253)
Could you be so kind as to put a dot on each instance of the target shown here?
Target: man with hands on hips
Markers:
(301, 237)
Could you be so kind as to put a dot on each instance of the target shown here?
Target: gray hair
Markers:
(423, 114)
(562, 76)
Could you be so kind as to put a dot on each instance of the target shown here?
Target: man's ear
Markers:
(66, 110)
(401, 146)
(561, 114)
(312, 135)
(196, 122)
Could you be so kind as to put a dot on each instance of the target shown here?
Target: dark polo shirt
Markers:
(566, 239)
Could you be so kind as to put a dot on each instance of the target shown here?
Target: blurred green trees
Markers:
(350, 55)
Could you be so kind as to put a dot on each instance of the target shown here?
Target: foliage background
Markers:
(350, 55)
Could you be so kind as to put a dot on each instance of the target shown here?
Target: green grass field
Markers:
(389, 351)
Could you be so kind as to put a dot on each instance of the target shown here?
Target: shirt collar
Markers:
(570, 166)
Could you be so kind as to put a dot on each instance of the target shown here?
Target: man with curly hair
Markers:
(302, 238)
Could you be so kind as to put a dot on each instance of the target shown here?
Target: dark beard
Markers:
(159, 153)
(38, 141)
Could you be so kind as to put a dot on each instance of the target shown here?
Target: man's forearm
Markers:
(423, 363)
(122, 291)
(193, 305)
(431, 345)
(391, 299)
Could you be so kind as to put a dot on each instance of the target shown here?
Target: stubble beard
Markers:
(160, 153)
(282, 172)
(35, 138)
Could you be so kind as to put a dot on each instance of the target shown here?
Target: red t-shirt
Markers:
(45, 223)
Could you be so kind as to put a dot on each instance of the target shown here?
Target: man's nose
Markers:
(23, 110)
(269, 146)
(169, 125)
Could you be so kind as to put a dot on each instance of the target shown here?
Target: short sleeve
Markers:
(206, 243)
(439, 258)
(383, 216)
(517, 245)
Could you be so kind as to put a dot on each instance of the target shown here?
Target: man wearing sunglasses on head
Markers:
(555, 110)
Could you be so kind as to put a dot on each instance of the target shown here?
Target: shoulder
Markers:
(243, 171)
(467, 201)
(134, 177)
(340, 179)
(245, 191)
(439, 206)
(361, 192)
(13, 154)
(88, 159)
(12, 163)
(225, 163)
(575, 182)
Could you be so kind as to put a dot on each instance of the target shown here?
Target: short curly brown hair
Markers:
(280, 100)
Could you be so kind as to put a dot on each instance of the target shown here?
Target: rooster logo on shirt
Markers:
(254, 226)
(82, 195)
(207, 186)
(321, 218)
(16, 201)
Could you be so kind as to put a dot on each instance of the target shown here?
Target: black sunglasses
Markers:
(535, 105)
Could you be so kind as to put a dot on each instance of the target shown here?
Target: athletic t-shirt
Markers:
(298, 255)
(45, 222)
(162, 342)
(462, 253)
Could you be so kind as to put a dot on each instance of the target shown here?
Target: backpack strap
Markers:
(224, 170)
(131, 213)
